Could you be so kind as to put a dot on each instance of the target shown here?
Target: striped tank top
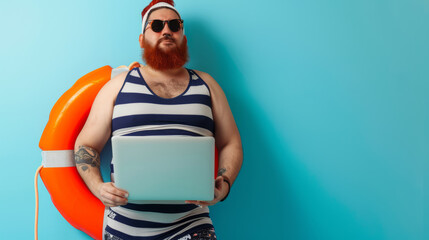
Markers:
(138, 111)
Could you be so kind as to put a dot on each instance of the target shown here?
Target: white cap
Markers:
(158, 5)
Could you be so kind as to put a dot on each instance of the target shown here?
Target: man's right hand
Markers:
(111, 196)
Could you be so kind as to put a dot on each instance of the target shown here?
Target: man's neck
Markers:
(169, 73)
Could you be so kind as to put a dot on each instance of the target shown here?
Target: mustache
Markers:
(166, 37)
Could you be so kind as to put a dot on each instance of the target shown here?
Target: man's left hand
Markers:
(221, 190)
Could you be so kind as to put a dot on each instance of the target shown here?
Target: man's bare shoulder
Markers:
(211, 82)
(112, 87)
(205, 76)
(117, 81)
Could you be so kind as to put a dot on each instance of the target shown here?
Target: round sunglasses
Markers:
(158, 25)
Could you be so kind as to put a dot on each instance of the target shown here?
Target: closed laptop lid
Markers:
(164, 167)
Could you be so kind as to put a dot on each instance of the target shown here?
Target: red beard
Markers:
(159, 59)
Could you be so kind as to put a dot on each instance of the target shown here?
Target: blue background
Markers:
(331, 99)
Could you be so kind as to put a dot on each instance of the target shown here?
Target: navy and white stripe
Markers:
(136, 225)
(138, 111)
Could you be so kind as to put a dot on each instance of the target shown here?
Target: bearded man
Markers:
(162, 85)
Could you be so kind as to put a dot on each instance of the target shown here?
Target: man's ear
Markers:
(141, 38)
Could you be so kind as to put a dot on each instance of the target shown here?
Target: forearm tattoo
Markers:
(87, 157)
(221, 171)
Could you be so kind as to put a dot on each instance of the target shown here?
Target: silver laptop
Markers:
(164, 168)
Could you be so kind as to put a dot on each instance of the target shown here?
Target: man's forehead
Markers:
(163, 12)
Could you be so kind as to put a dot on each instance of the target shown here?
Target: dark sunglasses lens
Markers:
(174, 25)
(157, 25)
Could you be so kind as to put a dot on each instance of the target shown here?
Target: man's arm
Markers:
(228, 141)
(91, 141)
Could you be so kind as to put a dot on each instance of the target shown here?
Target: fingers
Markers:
(206, 203)
(113, 200)
(216, 193)
(218, 182)
(112, 196)
(108, 203)
(116, 191)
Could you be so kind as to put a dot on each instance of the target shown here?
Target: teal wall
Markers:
(331, 99)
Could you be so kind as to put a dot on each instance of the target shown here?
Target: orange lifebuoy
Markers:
(68, 191)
